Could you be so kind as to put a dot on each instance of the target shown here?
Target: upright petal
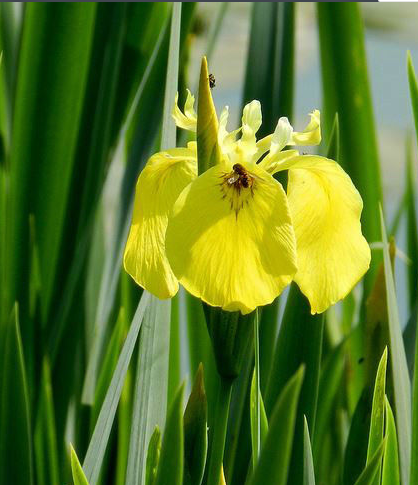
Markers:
(188, 119)
(311, 135)
(251, 122)
(332, 253)
(231, 243)
(159, 184)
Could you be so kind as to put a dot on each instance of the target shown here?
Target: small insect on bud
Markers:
(212, 81)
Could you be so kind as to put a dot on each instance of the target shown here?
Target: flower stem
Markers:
(219, 433)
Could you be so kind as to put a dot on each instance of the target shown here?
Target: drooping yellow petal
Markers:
(188, 119)
(325, 206)
(230, 242)
(159, 184)
(311, 135)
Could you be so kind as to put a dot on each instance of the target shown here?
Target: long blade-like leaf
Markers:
(150, 401)
(308, 467)
(278, 445)
(97, 447)
(401, 382)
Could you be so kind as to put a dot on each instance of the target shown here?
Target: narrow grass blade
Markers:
(195, 432)
(98, 443)
(53, 64)
(150, 400)
(78, 474)
(378, 414)
(414, 431)
(308, 467)
(112, 264)
(270, 61)
(370, 473)
(174, 365)
(170, 465)
(109, 363)
(330, 383)
(401, 382)
(45, 439)
(390, 471)
(277, 448)
(333, 150)
(259, 428)
(299, 342)
(255, 396)
(150, 395)
(16, 464)
(153, 457)
(412, 229)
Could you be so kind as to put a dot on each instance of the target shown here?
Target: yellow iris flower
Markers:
(232, 236)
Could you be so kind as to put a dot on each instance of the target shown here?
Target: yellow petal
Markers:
(273, 162)
(325, 206)
(159, 184)
(233, 248)
(251, 122)
(311, 135)
(188, 119)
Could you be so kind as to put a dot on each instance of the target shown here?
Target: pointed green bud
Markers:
(195, 432)
(208, 152)
(153, 456)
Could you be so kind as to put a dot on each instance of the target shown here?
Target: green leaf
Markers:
(346, 91)
(357, 442)
(330, 382)
(277, 448)
(147, 103)
(378, 413)
(255, 397)
(109, 363)
(270, 61)
(299, 342)
(150, 394)
(333, 150)
(195, 432)
(98, 443)
(174, 364)
(413, 89)
(78, 475)
(53, 65)
(412, 229)
(401, 382)
(170, 465)
(263, 421)
(15, 419)
(46, 449)
(308, 467)
(150, 401)
(390, 470)
(414, 447)
(370, 473)
(153, 457)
